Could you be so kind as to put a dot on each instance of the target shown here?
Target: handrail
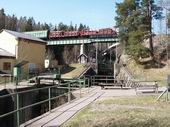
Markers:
(18, 108)
(27, 91)
(9, 113)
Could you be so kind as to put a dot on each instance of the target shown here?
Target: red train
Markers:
(107, 32)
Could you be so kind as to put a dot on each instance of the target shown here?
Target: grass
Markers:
(151, 74)
(78, 69)
(140, 111)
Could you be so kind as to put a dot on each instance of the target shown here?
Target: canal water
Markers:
(8, 104)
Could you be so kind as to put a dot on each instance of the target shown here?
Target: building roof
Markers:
(24, 36)
(21, 63)
(5, 53)
(82, 55)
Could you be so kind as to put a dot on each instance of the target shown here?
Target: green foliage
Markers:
(134, 20)
(2, 18)
(135, 47)
(82, 27)
(169, 20)
(29, 24)
(137, 51)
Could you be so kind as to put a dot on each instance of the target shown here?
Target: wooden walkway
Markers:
(60, 115)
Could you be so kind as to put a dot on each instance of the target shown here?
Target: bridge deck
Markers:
(81, 41)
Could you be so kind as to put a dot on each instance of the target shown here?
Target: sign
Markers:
(16, 71)
(47, 63)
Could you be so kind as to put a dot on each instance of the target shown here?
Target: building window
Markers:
(6, 66)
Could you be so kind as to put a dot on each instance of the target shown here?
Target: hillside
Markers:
(140, 72)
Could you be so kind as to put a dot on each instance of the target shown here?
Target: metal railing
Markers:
(18, 108)
(126, 82)
(4, 79)
(101, 78)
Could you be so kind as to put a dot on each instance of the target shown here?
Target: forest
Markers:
(23, 24)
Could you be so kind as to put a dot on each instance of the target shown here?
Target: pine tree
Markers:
(81, 27)
(2, 19)
(169, 20)
(71, 27)
(134, 20)
(23, 24)
(30, 24)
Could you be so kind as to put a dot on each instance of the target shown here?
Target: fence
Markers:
(5, 78)
(70, 87)
(101, 79)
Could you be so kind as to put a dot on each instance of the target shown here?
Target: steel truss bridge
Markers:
(72, 41)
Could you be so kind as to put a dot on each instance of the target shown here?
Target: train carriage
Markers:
(107, 32)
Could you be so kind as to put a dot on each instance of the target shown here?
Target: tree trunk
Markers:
(150, 29)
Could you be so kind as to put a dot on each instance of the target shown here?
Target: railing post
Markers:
(18, 117)
(84, 82)
(69, 93)
(49, 99)
(5, 82)
(167, 96)
(88, 83)
(80, 86)
(106, 79)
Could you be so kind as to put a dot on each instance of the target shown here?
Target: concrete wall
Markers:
(9, 104)
(6, 105)
(31, 51)
(8, 42)
(23, 49)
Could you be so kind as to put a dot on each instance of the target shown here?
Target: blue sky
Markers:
(94, 13)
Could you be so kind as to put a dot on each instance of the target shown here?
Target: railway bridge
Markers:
(94, 46)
